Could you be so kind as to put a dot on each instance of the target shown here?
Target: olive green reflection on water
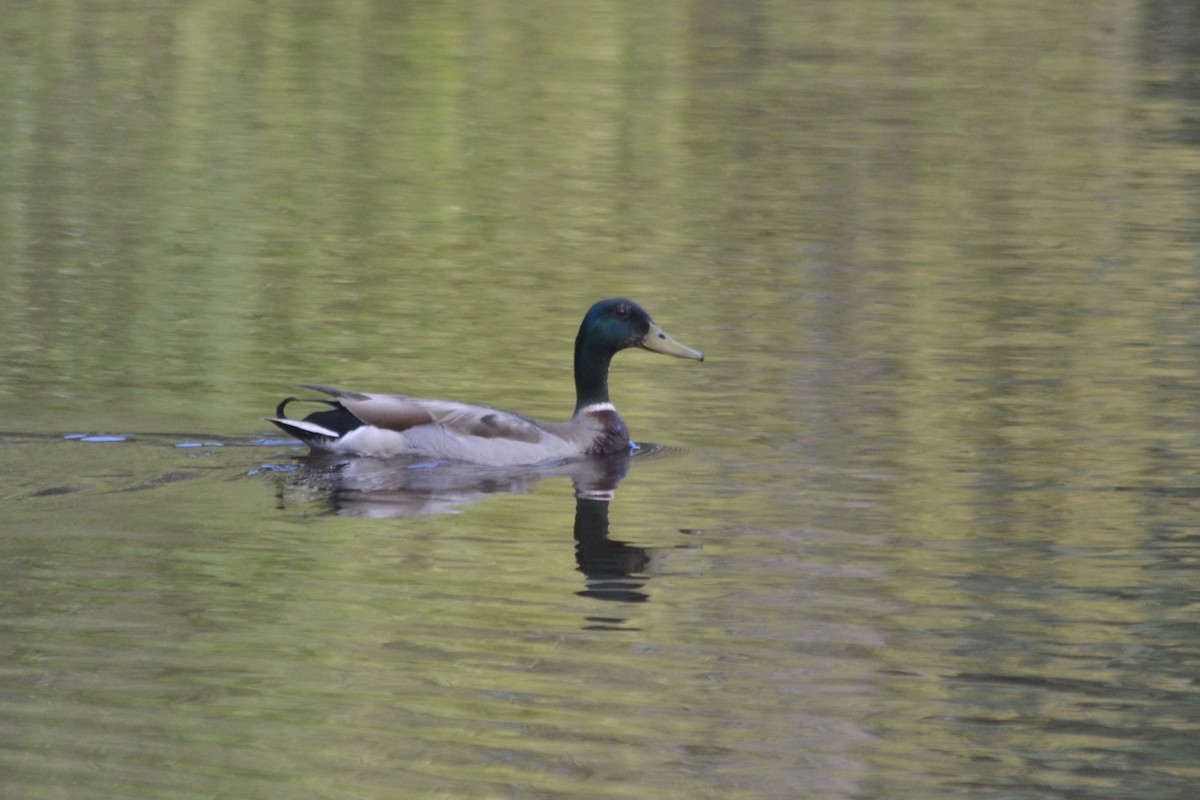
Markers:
(941, 258)
(224, 200)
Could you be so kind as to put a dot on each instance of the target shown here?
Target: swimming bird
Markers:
(383, 425)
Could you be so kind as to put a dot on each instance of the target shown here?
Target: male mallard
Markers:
(367, 424)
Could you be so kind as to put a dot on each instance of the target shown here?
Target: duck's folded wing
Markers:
(400, 413)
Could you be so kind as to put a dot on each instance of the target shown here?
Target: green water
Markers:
(922, 525)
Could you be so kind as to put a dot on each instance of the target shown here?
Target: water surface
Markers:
(922, 525)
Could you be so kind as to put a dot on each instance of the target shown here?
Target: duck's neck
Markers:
(591, 374)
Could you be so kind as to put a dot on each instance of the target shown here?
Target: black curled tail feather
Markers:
(282, 405)
(337, 419)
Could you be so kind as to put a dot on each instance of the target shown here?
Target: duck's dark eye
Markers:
(622, 311)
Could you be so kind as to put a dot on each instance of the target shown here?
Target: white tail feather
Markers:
(303, 427)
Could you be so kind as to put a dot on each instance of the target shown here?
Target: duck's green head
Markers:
(608, 327)
(616, 324)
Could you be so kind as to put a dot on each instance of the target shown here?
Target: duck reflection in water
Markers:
(387, 488)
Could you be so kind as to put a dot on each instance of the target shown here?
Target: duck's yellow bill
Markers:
(658, 341)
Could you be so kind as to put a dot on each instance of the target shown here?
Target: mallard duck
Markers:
(369, 424)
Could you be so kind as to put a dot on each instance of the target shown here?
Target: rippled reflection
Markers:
(388, 488)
